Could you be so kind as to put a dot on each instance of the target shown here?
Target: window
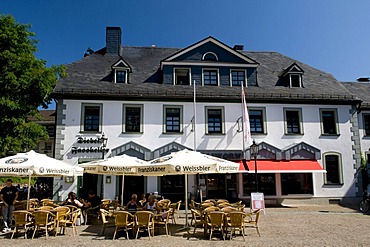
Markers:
(256, 121)
(293, 121)
(329, 123)
(296, 183)
(266, 183)
(295, 80)
(366, 118)
(214, 120)
(210, 77)
(50, 129)
(132, 118)
(237, 77)
(121, 76)
(333, 167)
(182, 76)
(48, 146)
(210, 56)
(172, 119)
(91, 117)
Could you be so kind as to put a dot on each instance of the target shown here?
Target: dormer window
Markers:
(295, 80)
(293, 76)
(120, 71)
(210, 56)
(182, 76)
(121, 76)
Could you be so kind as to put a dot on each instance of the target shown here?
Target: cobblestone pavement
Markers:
(329, 225)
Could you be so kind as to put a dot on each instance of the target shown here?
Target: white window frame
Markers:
(218, 76)
(205, 54)
(335, 119)
(165, 107)
(299, 110)
(238, 70)
(363, 124)
(119, 70)
(222, 119)
(290, 80)
(340, 167)
(264, 122)
(82, 124)
(141, 106)
(174, 74)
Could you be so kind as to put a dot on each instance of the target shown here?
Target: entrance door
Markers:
(173, 187)
(89, 182)
(133, 185)
(216, 186)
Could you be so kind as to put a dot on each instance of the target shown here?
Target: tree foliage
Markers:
(25, 84)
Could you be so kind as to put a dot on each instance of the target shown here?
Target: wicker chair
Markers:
(144, 220)
(104, 215)
(176, 210)
(43, 219)
(123, 220)
(197, 219)
(251, 220)
(60, 215)
(70, 221)
(163, 219)
(216, 221)
(236, 222)
(22, 221)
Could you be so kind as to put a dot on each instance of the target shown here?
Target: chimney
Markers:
(113, 40)
(238, 47)
(363, 79)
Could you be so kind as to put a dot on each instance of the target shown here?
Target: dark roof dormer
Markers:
(120, 70)
(208, 52)
(293, 76)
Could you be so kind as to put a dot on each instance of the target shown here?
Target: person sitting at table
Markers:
(143, 200)
(92, 201)
(151, 204)
(132, 205)
(72, 200)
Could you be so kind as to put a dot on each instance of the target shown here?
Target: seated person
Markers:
(143, 200)
(151, 204)
(72, 200)
(92, 201)
(132, 205)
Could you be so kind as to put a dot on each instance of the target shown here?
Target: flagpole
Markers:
(195, 113)
(243, 120)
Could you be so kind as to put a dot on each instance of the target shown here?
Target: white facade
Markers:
(154, 137)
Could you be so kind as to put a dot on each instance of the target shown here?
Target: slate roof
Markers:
(47, 116)
(361, 90)
(91, 77)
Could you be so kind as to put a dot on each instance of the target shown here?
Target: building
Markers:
(47, 120)
(141, 99)
(361, 89)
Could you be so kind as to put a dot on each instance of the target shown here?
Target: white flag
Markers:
(246, 125)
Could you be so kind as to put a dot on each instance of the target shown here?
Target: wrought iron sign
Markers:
(83, 141)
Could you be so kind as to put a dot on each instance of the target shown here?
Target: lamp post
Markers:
(254, 153)
(104, 141)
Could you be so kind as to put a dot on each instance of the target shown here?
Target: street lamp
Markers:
(104, 141)
(254, 153)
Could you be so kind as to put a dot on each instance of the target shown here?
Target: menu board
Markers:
(257, 201)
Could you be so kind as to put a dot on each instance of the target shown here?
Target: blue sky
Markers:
(331, 35)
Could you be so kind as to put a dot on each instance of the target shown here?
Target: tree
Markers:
(25, 84)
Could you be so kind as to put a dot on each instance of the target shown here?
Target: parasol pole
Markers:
(123, 186)
(28, 191)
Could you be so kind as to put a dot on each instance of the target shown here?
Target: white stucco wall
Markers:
(153, 136)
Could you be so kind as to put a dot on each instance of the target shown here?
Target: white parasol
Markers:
(37, 165)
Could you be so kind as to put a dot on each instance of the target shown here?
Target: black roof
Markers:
(91, 77)
(361, 90)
